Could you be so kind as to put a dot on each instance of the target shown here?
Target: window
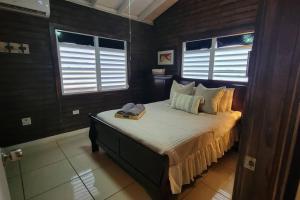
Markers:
(112, 64)
(90, 63)
(222, 58)
(196, 59)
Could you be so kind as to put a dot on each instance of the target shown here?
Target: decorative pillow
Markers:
(188, 103)
(226, 100)
(212, 97)
(230, 92)
(183, 89)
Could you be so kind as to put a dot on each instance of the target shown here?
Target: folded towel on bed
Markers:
(136, 110)
(126, 108)
(131, 109)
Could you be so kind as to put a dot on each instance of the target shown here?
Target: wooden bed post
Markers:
(93, 135)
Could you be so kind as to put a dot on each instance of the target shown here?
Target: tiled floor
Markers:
(67, 170)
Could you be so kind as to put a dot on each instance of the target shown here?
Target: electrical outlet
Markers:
(249, 163)
(75, 112)
(26, 121)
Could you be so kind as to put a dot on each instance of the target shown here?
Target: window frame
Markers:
(212, 52)
(97, 63)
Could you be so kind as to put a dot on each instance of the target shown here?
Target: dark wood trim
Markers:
(270, 126)
(292, 175)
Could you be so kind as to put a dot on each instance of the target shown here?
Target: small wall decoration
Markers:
(15, 48)
(3, 48)
(165, 57)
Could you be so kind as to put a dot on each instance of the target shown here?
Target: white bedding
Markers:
(191, 141)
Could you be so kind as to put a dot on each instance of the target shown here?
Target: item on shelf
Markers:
(158, 71)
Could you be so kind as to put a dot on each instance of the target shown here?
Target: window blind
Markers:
(113, 64)
(196, 64)
(91, 63)
(230, 63)
(223, 58)
(78, 68)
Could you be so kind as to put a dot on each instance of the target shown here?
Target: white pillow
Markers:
(182, 89)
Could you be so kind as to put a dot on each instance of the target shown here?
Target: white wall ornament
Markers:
(13, 47)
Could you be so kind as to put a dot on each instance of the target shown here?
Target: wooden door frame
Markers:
(276, 150)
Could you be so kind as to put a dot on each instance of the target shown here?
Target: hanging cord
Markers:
(130, 33)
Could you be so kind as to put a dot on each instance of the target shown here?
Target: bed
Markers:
(166, 148)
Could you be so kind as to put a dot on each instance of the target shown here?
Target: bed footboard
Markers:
(149, 168)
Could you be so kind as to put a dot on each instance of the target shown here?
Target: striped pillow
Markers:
(186, 103)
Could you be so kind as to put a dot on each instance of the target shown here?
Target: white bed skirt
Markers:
(197, 162)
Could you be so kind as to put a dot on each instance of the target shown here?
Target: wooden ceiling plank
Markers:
(155, 5)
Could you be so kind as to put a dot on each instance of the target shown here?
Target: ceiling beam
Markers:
(124, 6)
(88, 3)
(154, 6)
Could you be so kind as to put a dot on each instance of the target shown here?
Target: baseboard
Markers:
(48, 139)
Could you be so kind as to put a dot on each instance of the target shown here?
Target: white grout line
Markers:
(75, 170)
(122, 189)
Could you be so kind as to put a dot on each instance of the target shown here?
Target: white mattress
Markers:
(163, 128)
(192, 142)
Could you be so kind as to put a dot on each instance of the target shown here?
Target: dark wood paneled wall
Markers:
(29, 84)
(196, 19)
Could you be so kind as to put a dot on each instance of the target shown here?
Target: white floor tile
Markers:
(74, 190)
(75, 145)
(48, 175)
(40, 156)
(203, 192)
(104, 182)
(85, 163)
(132, 192)
(216, 176)
(43, 179)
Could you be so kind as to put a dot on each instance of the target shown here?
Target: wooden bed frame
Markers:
(149, 168)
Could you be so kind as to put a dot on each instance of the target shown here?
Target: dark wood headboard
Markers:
(239, 92)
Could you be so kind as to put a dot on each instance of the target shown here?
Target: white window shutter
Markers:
(196, 64)
(77, 68)
(231, 63)
(113, 69)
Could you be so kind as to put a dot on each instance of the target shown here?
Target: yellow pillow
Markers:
(226, 100)
(212, 97)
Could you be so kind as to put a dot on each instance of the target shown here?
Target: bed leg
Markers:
(92, 136)
(165, 188)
